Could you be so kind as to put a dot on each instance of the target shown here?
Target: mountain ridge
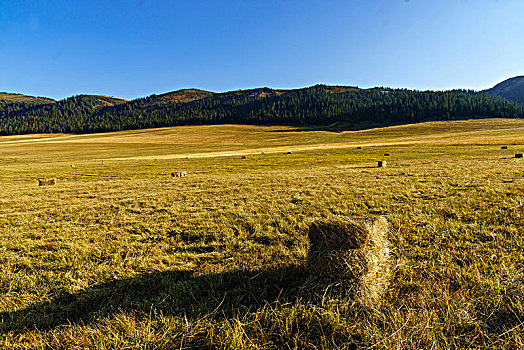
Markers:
(315, 105)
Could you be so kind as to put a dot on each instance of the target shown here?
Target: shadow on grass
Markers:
(336, 127)
(366, 167)
(171, 292)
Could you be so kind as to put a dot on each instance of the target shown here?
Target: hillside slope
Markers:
(31, 115)
(511, 89)
(179, 96)
(7, 98)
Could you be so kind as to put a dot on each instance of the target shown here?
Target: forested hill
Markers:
(317, 105)
(13, 103)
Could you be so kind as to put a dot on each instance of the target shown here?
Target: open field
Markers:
(120, 255)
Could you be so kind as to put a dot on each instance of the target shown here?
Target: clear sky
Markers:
(134, 48)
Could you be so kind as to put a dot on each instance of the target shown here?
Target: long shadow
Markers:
(301, 128)
(336, 127)
(171, 292)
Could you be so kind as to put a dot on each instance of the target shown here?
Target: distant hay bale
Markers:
(179, 174)
(504, 147)
(244, 157)
(518, 155)
(73, 166)
(387, 154)
(359, 147)
(288, 152)
(46, 182)
(382, 163)
(356, 250)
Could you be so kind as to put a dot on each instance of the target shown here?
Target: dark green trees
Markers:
(317, 105)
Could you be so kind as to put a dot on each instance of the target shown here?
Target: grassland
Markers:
(119, 255)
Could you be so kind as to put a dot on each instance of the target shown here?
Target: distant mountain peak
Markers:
(511, 89)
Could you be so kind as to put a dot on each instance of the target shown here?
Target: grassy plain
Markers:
(120, 255)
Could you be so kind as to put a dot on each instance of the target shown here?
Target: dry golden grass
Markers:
(120, 255)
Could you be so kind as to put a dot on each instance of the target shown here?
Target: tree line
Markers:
(317, 105)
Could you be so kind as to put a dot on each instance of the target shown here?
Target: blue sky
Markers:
(134, 48)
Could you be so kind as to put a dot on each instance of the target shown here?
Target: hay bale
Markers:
(504, 147)
(356, 250)
(359, 147)
(179, 174)
(46, 182)
(339, 232)
(288, 152)
(518, 155)
(244, 157)
(382, 163)
(387, 154)
(336, 263)
(73, 166)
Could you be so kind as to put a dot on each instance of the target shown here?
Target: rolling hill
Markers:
(511, 89)
(346, 106)
(179, 96)
(7, 98)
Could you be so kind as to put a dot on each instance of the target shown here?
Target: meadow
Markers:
(120, 255)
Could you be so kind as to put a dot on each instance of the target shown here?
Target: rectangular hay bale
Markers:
(356, 250)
